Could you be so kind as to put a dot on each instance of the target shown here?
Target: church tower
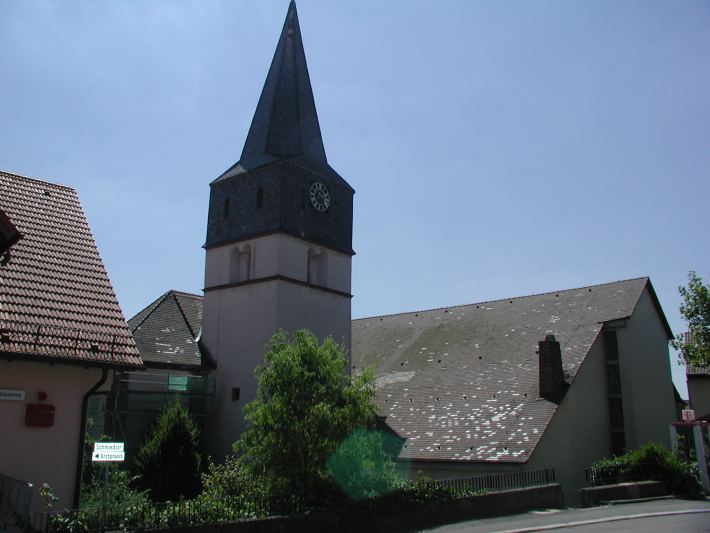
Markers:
(279, 239)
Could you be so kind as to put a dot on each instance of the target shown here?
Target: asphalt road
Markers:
(648, 517)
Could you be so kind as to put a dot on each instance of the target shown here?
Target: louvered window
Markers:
(616, 413)
(613, 379)
(611, 347)
(336, 211)
(225, 211)
(260, 198)
(303, 199)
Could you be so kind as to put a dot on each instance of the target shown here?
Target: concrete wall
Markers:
(44, 455)
(646, 383)
(699, 391)
(239, 320)
(578, 433)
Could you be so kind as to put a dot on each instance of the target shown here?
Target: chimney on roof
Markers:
(551, 375)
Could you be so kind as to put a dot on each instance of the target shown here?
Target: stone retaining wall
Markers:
(623, 491)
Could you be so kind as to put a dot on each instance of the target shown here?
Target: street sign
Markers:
(108, 446)
(8, 394)
(108, 456)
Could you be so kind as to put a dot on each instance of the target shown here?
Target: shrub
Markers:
(168, 462)
(656, 463)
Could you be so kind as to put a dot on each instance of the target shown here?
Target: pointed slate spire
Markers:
(285, 124)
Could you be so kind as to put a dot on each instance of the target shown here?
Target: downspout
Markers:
(82, 436)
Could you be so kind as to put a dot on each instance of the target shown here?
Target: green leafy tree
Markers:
(169, 462)
(696, 311)
(306, 406)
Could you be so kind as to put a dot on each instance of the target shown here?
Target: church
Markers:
(552, 380)
(556, 380)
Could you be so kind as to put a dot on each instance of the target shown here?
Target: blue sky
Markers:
(498, 149)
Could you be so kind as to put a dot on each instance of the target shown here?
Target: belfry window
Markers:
(240, 264)
(260, 198)
(317, 268)
(225, 210)
(336, 209)
(303, 199)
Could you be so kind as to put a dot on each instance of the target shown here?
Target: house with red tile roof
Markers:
(62, 334)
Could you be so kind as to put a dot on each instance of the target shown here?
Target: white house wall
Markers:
(44, 455)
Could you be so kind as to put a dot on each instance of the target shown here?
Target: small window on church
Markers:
(235, 394)
(303, 199)
(225, 211)
(260, 198)
(336, 209)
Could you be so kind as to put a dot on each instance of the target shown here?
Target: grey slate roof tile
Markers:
(166, 330)
(461, 383)
(285, 124)
(53, 284)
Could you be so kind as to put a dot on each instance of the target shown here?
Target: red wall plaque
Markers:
(39, 415)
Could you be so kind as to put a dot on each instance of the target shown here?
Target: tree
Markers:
(168, 462)
(696, 311)
(306, 406)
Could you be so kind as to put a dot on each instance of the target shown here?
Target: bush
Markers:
(231, 479)
(169, 463)
(656, 463)
(361, 467)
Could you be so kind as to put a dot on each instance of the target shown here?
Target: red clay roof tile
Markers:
(56, 298)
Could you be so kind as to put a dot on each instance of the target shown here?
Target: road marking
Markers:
(601, 521)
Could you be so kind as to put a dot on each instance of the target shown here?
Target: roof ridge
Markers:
(8, 173)
(500, 299)
(182, 312)
(155, 305)
(190, 294)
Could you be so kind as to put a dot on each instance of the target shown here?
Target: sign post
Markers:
(107, 452)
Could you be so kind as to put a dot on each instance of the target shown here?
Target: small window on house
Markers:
(235, 394)
(225, 211)
(260, 198)
(336, 209)
(303, 199)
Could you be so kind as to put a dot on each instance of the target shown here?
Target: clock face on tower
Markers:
(320, 198)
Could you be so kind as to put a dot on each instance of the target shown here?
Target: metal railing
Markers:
(153, 516)
(612, 474)
(507, 481)
(15, 500)
(58, 341)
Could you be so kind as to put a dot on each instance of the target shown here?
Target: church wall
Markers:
(578, 434)
(277, 254)
(44, 454)
(647, 385)
(323, 313)
(237, 324)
